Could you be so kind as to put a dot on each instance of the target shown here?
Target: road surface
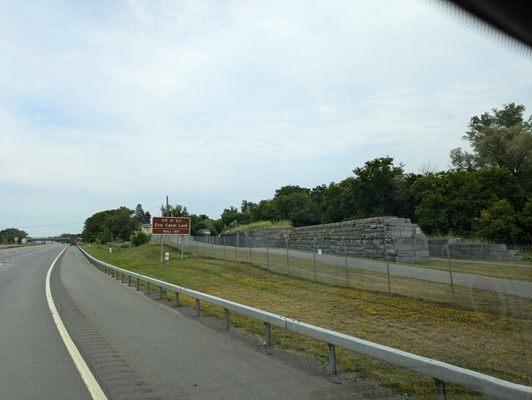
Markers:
(34, 363)
(136, 348)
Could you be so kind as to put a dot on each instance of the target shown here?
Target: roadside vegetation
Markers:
(521, 270)
(253, 226)
(491, 343)
(486, 195)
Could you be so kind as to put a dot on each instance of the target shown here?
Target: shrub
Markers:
(139, 239)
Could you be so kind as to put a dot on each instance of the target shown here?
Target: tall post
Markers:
(162, 237)
(267, 256)
(287, 258)
(388, 270)
(314, 257)
(453, 299)
(346, 266)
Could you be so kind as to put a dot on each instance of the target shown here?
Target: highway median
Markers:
(491, 343)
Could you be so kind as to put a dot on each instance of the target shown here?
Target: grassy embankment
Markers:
(491, 343)
(276, 260)
(521, 270)
(283, 224)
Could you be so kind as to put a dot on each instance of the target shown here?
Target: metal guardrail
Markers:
(440, 371)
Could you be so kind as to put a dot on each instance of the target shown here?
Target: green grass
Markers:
(338, 275)
(496, 269)
(491, 343)
(254, 226)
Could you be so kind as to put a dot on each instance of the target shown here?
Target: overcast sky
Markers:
(104, 104)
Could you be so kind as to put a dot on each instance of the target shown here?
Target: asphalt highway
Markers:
(34, 363)
(135, 347)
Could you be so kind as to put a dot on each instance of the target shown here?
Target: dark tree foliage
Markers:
(487, 195)
(8, 235)
(174, 211)
(105, 226)
(144, 217)
(500, 139)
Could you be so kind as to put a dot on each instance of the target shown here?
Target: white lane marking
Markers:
(90, 381)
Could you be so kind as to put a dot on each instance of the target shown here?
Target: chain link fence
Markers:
(337, 266)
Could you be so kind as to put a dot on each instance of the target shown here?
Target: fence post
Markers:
(213, 247)
(249, 244)
(346, 266)
(388, 270)
(332, 359)
(453, 300)
(223, 244)
(314, 255)
(287, 258)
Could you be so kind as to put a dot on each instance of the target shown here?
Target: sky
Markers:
(104, 104)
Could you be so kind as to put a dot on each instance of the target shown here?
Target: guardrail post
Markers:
(267, 337)
(197, 308)
(129, 280)
(440, 387)
(226, 318)
(148, 288)
(138, 283)
(160, 292)
(332, 358)
(177, 299)
(121, 277)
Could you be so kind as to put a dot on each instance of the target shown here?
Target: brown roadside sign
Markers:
(171, 225)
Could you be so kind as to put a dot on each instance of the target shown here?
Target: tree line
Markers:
(487, 193)
(7, 236)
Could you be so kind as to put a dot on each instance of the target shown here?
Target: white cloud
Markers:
(212, 102)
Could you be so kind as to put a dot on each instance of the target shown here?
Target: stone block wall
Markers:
(471, 251)
(368, 238)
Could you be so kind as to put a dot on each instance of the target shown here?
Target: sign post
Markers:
(171, 226)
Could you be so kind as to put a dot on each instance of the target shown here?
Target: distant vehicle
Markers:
(73, 240)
